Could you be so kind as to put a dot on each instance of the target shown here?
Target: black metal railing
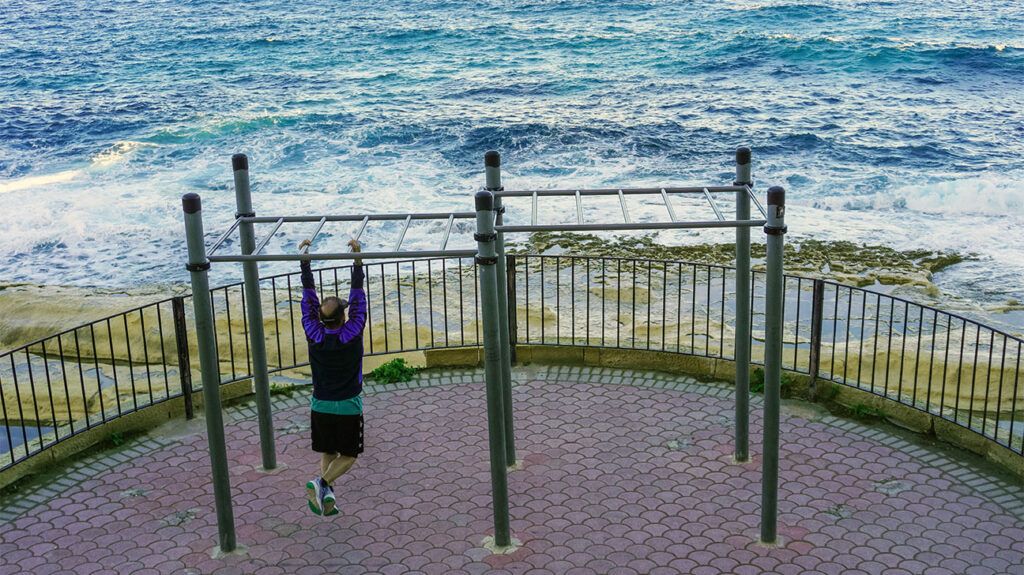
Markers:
(938, 362)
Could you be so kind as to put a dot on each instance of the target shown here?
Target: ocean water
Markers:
(889, 122)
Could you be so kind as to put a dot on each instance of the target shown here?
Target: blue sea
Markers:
(889, 122)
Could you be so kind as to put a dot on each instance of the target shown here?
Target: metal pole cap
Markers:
(492, 159)
(239, 162)
(191, 203)
(743, 156)
(484, 201)
(775, 224)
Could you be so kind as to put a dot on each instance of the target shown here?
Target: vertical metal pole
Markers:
(184, 361)
(254, 312)
(202, 305)
(513, 321)
(492, 168)
(814, 361)
(776, 229)
(742, 344)
(486, 260)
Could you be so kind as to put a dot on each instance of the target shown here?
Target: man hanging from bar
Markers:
(336, 359)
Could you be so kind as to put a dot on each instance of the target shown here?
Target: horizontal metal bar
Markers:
(401, 236)
(357, 218)
(315, 234)
(668, 204)
(615, 191)
(347, 256)
(632, 226)
(714, 206)
(447, 232)
(261, 245)
(760, 208)
(224, 236)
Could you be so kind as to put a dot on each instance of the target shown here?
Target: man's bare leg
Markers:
(337, 467)
(325, 462)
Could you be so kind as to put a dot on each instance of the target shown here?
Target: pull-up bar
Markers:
(742, 191)
(396, 252)
(616, 191)
(489, 255)
(390, 255)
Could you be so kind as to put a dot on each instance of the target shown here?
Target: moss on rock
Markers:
(843, 261)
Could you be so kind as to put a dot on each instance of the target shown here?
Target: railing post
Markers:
(492, 170)
(776, 229)
(513, 320)
(254, 312)
(742, 344)
(485, 261)
(202, 305)
(184, 361)
(814, 361)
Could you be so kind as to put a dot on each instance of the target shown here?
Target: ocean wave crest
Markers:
(990, 195)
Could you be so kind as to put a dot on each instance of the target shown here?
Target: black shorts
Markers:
(337, 433)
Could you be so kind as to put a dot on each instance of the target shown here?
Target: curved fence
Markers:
(937, 362)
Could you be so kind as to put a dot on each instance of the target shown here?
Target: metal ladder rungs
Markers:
(668, 205)
(223, 237)
(760, 208)
(362, 227)
(316, 233)
(262, 244)
(714, 206)
(401, 237)
(447, 231)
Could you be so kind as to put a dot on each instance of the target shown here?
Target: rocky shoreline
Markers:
(132, 359)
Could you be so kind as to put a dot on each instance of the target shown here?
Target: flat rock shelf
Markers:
(622, 472)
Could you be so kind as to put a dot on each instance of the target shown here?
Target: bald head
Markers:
(332, 312)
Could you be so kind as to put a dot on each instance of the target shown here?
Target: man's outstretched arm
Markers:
(356, 300)
(310, 304)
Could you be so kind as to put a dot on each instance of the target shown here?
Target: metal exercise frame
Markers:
(490, 258)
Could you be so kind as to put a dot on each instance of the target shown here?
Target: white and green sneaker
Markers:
(315, 495)
(329, 506)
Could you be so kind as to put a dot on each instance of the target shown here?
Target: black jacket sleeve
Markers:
(307, 275)
(357, 276)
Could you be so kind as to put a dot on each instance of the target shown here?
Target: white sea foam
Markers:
(119, 152)
(30, 182)
(115, 154)
(980, 196)
(933, 43)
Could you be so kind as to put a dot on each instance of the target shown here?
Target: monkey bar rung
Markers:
(397, 252)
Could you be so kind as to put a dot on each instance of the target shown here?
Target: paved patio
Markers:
(623, 473)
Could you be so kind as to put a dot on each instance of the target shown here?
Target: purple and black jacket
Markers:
(335, 355)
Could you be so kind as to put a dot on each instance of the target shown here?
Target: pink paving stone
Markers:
(600, 493)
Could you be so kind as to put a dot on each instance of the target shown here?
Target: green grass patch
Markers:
(393, 371)
(786, 383)
(285, 390)
(117, 439)
(864, 411)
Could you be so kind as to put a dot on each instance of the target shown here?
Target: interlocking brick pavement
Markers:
(623, 473)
